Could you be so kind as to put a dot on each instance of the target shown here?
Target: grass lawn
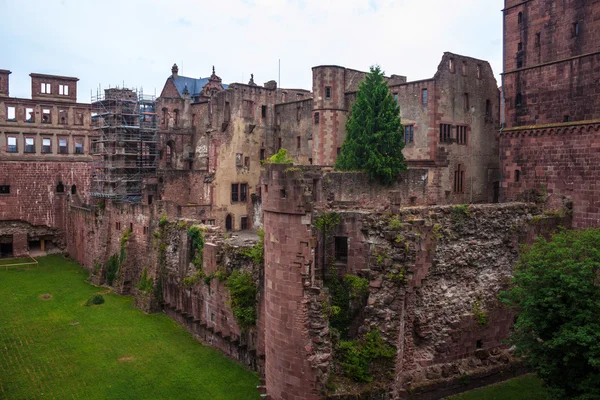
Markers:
(58, 348)
(527, 387)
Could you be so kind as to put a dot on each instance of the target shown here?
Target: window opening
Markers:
(46, 145)
(424, 96)
(29, 115)
(244, 223)
(328, 92)
(60, 188)
(11, 114)
(62, 146)
(461, 134)
(458, 179)
(316, 118)
(29, 145)
(11, 142)
(4, 189)
(235, 194)
(445, 133)
(341, 249)
(409, 133)
(228, 226)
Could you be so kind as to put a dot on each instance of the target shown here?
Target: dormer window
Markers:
(63, 89)
(46, 88)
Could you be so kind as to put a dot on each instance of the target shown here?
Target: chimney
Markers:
(175, 71)
(4, 73)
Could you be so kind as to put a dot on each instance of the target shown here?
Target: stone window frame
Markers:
(462, 136)
(31, 120)
(46, 116)
(79, 141)
(63, 90)
(409, 133)
(244, 222)
(424, 95)
(26, 147)
(459, 178)
(341, 247)
(14, 110)
(65, 147)
(49, 138)
(239, 192)
(327, 92)
(45, 88)
(12, 148)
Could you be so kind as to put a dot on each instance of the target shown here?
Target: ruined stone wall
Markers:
(295, 130)
(434, 274)
(560, 161)
(33, 196)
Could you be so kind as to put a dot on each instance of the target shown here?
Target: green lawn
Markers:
(60, 349)
(527, 387)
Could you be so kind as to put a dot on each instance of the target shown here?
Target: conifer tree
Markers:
(374, 134)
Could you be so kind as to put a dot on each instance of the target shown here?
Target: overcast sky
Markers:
(109, 42)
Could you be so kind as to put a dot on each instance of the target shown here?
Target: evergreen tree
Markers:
(374, 139)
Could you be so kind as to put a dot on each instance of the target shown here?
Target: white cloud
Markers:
(138, 41)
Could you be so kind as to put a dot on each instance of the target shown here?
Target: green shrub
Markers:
(145, 284)
(256, 252)
(357, 356)
(197, 245)
(347, 298)
(243, 298)
(480, 315)
(112, 269)
(556, 291)
(95, 300)
(281, 157)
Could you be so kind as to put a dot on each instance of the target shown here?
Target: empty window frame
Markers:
(466, 101)
(262, 154)
(29, 145)
(279, 143)
(464, 68)
(461, 134)
(445, 133)
(520, 17)
(63, 116)
(396, 97)
(317, 118)
(424, 96)
(11, 144)
(341, 249)
(517, 175)
(538, 39)
(298, 113)
(247, 162)
(488, 108)
(227, 115)
(46, 145)
(11, 113)
(519, 99)
(338, 151)
(239, 159)
(244, 223)
(409, 133)
(79, 146)
(63, 90)
(62, 146)
(298, 142)
(46, 116)
(46, 88)
(451, 65)
(575, 29)
(263, 111)
(459, 175)
(328, 92)
(29, 115)
(60, 188)
(118, 226)
(4, 189)
(478, 71)
(78, 118)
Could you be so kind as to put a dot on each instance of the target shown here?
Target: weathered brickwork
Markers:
(549, 135)
(455, 260)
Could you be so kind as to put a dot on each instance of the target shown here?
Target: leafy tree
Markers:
(374, 139)
(556, 290)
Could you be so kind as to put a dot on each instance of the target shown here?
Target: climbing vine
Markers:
(197, 245)
(358, 356)
(243, 290)
(145, 284)
(256, 252)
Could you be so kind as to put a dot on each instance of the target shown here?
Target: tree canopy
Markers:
(374, 134)
(556, 291)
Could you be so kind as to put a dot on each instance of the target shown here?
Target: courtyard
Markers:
(53, 346)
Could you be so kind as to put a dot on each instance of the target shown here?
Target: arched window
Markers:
(73, 189)
(60, 188)
(228, 223)
(169, 154)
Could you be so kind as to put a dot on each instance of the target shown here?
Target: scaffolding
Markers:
(125, 146)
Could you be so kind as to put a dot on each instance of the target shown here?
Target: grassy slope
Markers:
(42, 355)
(527, 387)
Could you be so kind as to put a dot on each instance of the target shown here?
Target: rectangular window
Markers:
(78, 146)
(316, 118)
(575, 29)
(46, 116)
(238, 159)
(478, 71)
(424, 96)
(262, 154)
(62, 116)
(248, 108)
(4, 189)
(445, 133)
(145, 230)
(298, 113)
(338, 151)
(409, 133)
(466, 97)
(459, 175)
(341, 249)
(46, 145)
(263, 111)
(227, 115)
(244, 223)
(29, 145)
(396, 97)
(62, 146)
(29, 115)
(235, 194)
(328, 92)
(78, 118)
(464, 68)
(118, 226)
(298, 142)
(11, 144)
(46, 88)
(11, 113)
(63, 89)
(243, 192)
(461, 134)
(279, 144)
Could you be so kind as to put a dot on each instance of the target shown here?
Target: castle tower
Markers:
(291, 370)
(329, 113)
